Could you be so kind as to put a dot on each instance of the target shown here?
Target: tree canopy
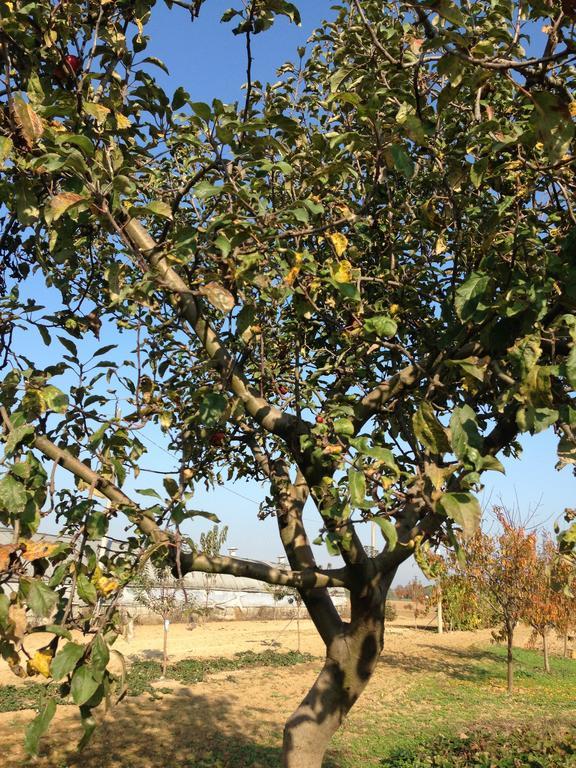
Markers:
(357, 284)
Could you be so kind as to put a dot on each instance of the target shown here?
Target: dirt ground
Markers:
(230, 708)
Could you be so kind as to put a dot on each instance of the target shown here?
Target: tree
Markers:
(541, 612)
(415, 592)
(458, 598)
(563, 583)
(211, 544)
(505, 567)
(294, 598)
(356, 285)
(158, 591)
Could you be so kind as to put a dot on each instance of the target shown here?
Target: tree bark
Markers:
(510, 658)
(351, 658)
(165, 649)
(565, 652)
(546, 652)
(440, 616)
(349, 664)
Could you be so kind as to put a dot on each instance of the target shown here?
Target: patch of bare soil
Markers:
(180, 727)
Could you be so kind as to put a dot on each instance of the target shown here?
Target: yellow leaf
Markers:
(218, 296)
(18, 621)
(97, 111)
(106, 585)
(440, 245)
(394, 309)
(40, 662)
(59, 204)
(34, 550)
(343, 273)
(122, 121)
(339, 242)
(293, 273)
(5, 552)
(30, 125)
(572, 108)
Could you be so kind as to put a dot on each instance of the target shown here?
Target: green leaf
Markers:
(465, 437)
(54, 629)
(17, 436)
(157, 63)
(571, 367)
(158, 208)
(468, 300)
(55, 400)
(84, 686)
(428, 430)
(388, 531)
(180, 98)
(448, 11)
(66, 660)
(38, 727)
(88, 726)
(149, 492)
(83, 142)
(463, 509)
(13, 496)
(357, 487)
(212, 408)
(4, 608)
(86, 590)
(6, 147)
(69, 344)
(344, 427)
(383, 326)
(402, 160)
(99, 655)
(39, 597)
(202, 110)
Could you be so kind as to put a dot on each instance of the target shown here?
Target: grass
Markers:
(189, 671)
(445, 711)
(452, 712)
(142, 674)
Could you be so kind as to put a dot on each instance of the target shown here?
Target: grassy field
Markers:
(466, 718)
(434, 702)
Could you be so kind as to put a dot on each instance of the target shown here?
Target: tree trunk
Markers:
(510, 657)
(350, 662)
(298, 623)
(546, 652)
(440, 616)
(565, 652)
(165, 649)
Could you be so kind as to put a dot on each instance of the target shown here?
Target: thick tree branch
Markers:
(269, 417)
(309, 578)
(304, 580)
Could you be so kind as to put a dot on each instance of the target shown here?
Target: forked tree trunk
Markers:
(546, 652)
(350, 662)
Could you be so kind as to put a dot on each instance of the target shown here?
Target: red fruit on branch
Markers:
(71, 66)
(282, 389)
(319, 419)
(218, 438)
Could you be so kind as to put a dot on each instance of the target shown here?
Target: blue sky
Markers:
(209, 62)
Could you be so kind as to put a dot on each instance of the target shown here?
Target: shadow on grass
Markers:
(479, 665)
(181, 729)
